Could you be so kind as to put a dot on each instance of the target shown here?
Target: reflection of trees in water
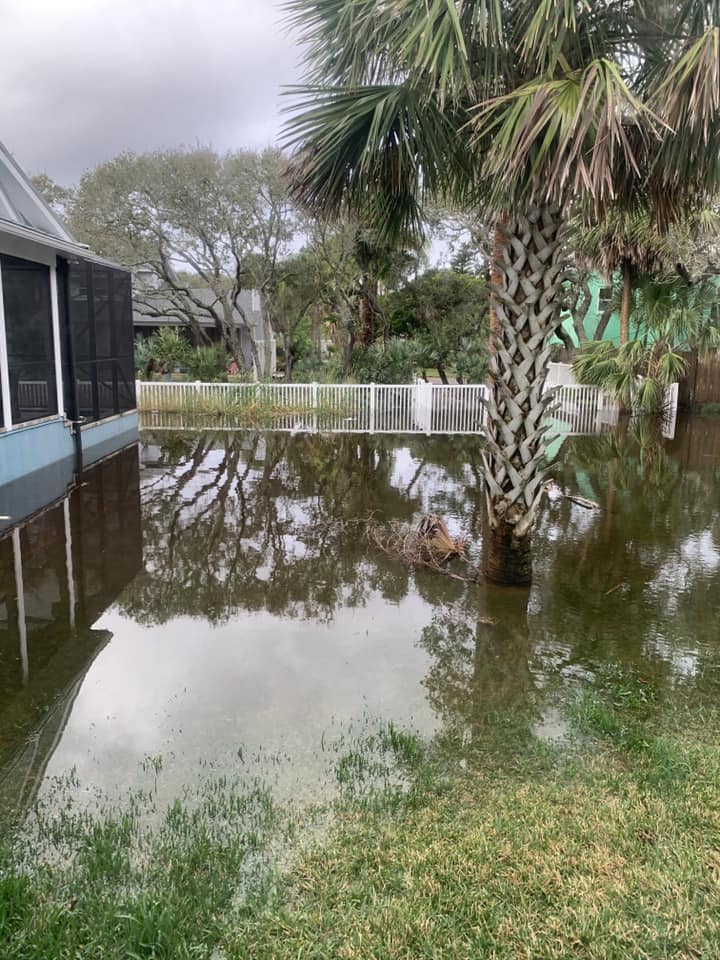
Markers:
(254, 522)
(634, 584)
(248, 522)
(637, 582)
(481, 672)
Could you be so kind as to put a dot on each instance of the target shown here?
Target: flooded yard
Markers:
(202, 603)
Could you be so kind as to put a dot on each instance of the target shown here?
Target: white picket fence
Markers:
(423, 408)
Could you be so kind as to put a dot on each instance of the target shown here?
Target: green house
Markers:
(601, 296)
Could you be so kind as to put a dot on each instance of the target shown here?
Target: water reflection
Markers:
(58, 573)
(258, 620)
(248, 522)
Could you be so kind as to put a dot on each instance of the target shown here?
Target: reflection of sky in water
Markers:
(696, 557)
(193, 694)
(269, 630)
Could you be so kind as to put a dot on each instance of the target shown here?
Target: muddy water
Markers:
(206, 602)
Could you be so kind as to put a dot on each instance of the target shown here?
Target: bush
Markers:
(142, 351)
(209, 364)
(394, 363)
(314, 370)
(167, 347)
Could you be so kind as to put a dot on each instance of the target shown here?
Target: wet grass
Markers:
(492, 845)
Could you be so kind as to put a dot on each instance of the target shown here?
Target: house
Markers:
(153, 311)
(67, 390)
(601, 293)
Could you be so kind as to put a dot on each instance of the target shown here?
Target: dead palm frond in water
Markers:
(429, 545)
(435, 539)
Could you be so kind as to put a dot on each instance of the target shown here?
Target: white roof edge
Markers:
(26, 184)
(62, 246)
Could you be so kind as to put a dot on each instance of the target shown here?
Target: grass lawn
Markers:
(604, 846)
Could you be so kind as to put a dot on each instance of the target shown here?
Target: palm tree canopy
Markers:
(629, 234)
(504, 103)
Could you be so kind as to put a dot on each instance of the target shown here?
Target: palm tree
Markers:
(673, 318)
(528, 109)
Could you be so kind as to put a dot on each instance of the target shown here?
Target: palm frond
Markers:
(690, 92)
(363, 42)
(671, 367)
(555, 137)
(377, 151)
(649, 396)
(546, 32)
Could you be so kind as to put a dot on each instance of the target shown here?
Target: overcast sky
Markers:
(83, 80)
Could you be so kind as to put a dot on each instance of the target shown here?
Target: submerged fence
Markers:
(420, 407)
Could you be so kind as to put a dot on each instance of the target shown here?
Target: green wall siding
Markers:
(612, 331)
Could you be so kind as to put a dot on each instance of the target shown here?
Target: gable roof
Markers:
(21, 205)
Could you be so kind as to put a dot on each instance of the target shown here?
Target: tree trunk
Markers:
(565, 338)
(508, 558)
(582, 308)
(602, 324)
(288, 356)
(368, 310)
(257, 358)
(527, 293)
(496, 278)
(441, 373)
(627, 282)
(267, 351)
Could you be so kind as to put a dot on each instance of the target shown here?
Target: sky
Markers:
(84, 80)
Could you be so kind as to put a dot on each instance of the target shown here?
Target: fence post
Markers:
(315, 407)
(372, 408)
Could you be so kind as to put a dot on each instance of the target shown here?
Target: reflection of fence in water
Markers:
(582, 410)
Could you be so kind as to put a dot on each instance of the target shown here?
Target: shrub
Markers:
(209, 364)
(394, 363)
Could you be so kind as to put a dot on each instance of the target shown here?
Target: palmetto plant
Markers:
(671, 318)
(529, 109)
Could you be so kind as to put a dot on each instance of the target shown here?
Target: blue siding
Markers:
(27, 449)
(37, 461)
(106, 436)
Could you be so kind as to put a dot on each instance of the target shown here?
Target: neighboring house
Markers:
(67, 390)
(153, 311)
(601, 292)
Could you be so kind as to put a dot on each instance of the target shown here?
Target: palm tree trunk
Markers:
(498, 249)
(527, 292)
(627, 281)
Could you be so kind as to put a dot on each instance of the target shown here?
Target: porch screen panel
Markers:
(83, 338)
(28, 327)
(123, 329)
(100, 309)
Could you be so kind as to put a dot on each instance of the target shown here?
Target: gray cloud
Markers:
(83, 80)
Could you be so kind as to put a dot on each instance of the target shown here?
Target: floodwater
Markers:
(206, 601)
